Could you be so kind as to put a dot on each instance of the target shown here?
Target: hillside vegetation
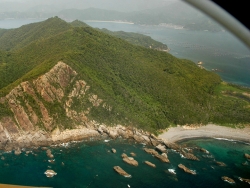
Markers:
(145, 87)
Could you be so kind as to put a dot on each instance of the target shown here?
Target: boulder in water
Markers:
(163, 158)
(150, 164)
(130, 160)
(120, 171)
(50, 173)
(227, 179)
(151, 151)
(187, 170)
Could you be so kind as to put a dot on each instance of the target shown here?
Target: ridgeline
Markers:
(137, 86)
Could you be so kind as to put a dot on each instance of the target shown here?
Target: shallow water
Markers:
(90, 164)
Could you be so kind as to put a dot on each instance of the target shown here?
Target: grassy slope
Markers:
(148, 88)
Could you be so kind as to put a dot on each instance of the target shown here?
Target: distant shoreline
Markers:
(175, 134)
(122, 22)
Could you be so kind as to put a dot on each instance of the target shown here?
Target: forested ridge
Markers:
(147, 88)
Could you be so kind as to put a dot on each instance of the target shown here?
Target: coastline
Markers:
(175, 134)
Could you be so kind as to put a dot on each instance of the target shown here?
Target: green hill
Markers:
(146, 88)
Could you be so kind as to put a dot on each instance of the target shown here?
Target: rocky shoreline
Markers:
(93, 131)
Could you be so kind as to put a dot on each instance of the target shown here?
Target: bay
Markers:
(90, 164)
(220, 51)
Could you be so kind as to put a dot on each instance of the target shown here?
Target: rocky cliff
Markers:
(46, 106)
(55, 108)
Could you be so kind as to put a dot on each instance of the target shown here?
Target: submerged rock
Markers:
(132, 154)
(227, 179)
(49, 154)
(220, 163)
(120, 171)
(187, 170)
(244, 180)
(151, 151)
(50, 173)
(150, 164)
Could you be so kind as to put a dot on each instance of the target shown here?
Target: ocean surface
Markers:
(217, 50)
(90, 164)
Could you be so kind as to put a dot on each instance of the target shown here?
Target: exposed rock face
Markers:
(34, 114)
(227, 179)
(150, 164)
(120, 171)
(185, 169)
(42, 109)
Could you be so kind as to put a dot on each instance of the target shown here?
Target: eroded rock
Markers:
(227, 179)
(162, 158)
(151, 151)
(120, 171)
(187, 170)
(150, 164)
(50, 173)
(130, 160)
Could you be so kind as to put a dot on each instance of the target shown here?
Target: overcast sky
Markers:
(120, 5)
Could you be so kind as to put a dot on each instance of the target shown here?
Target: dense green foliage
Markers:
(137, 39)
(145, 87)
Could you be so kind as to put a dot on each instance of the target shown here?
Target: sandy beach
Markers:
(175, 134)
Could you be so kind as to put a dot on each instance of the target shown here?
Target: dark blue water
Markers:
(90, 164)
(217, 50)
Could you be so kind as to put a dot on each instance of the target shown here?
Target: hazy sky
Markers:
(120, 5)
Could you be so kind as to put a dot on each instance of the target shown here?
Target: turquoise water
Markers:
(90, 164)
